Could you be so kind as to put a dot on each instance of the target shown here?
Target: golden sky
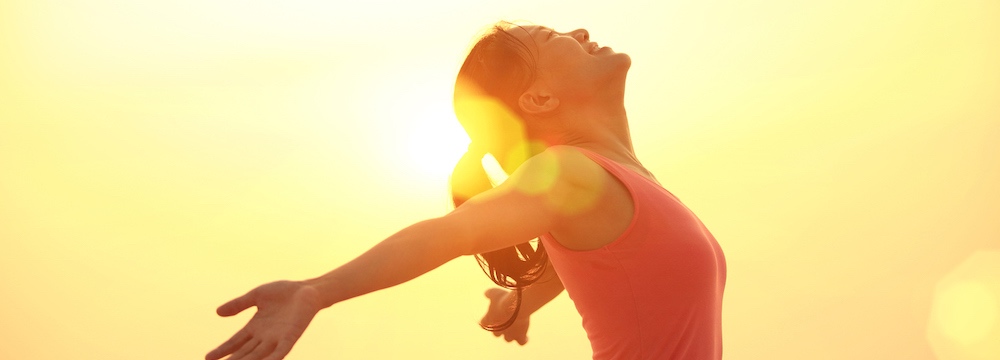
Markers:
(160, 158)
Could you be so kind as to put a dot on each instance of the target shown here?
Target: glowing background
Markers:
(160, 158)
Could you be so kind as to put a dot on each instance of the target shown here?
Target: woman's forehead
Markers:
(531, 29)
(528, 31)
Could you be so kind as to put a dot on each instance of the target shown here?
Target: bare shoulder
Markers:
(560, 191)
(566, 178)
(548, 192)
(558, 167)
(576, 167)
(588, 206)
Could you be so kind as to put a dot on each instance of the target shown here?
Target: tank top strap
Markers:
(626, 175)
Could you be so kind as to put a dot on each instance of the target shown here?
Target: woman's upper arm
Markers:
(537, 197)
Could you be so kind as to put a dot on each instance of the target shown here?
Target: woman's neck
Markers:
(602, 129)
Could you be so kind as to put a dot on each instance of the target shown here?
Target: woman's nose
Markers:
(581, 35)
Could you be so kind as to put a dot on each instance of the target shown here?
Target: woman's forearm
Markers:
(401, 257)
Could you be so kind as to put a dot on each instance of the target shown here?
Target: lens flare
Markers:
(491, 125)
(965, 313)
(546, 171)
(582, 199)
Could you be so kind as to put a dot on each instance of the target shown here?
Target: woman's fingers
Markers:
(262, 350)
(521, 339)
(229, 346)
(283, 348)
(245, 349)
(237, 305)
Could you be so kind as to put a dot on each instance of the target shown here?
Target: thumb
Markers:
(495, 294)
(237, 305)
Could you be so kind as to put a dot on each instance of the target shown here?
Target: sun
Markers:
(422, 137)
(431, 143)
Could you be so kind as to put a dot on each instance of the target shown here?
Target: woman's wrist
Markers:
(319, 291)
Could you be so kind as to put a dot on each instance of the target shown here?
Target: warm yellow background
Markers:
(159, 158)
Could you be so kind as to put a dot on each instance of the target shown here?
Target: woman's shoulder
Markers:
(595, 208)
(569, 180)
(571, 165)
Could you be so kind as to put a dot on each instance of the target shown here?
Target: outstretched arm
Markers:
(285, 309)
(499, 218)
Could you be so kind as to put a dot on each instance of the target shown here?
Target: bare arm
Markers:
(505, 216)
(405, 255)
(502, 217)
(524, 207)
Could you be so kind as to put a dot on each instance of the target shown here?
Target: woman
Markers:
(646, 276)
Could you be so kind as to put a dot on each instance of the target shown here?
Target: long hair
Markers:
(498, 69)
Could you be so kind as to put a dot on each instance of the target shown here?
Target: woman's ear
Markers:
(537, 102)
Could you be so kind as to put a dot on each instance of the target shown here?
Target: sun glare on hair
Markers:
(493, 170)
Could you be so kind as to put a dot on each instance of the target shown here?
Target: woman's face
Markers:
(572, 65)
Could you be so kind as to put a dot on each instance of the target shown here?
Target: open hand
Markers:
(501, 308)
(284, 310)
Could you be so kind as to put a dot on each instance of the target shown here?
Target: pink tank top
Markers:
(655, 292)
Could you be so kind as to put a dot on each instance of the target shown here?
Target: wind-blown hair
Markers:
(498, 69)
